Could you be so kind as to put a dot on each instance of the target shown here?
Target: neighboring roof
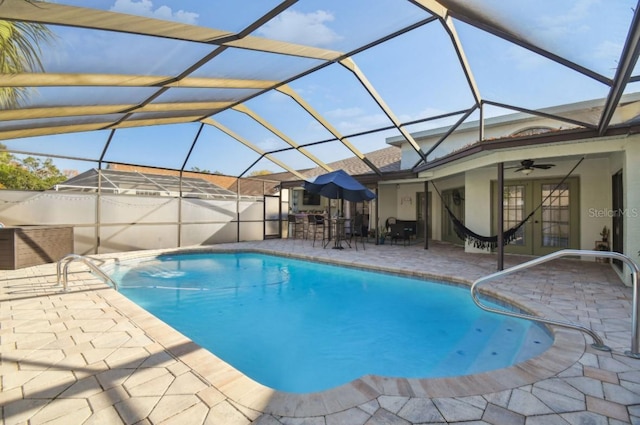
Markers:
(247, 186)
(137, 183)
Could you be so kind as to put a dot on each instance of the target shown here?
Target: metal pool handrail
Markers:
(62, 270)
(634, 352)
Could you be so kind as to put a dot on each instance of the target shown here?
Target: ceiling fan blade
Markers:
(520, 169)
(543, 166)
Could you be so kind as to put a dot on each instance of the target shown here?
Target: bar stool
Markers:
(297, 224)
(316, 226)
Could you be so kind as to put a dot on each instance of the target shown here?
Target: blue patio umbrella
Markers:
(339, 185)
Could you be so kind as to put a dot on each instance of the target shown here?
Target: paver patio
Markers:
(90, 356)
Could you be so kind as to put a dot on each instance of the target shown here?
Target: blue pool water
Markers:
(301, 326)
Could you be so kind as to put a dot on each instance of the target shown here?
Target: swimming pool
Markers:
(300, 326)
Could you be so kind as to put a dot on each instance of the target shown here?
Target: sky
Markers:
(417, 74)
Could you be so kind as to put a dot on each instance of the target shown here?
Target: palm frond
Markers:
(20, 43)
(20, 51)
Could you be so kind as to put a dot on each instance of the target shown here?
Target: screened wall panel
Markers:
(84, 240)
(251, 231)
(118, 238)
(251, 211)
(44, 208)
(208, 211)
(209, 234)
(136, 209)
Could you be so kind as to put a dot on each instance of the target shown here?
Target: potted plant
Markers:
(604, 234)
(382, 233)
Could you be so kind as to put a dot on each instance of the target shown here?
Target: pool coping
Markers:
(567, 348)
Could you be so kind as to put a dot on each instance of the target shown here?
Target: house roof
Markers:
(386, 160)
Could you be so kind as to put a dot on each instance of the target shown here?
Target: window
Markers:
(309, 198)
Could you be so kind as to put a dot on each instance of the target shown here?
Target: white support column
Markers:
(477, 195)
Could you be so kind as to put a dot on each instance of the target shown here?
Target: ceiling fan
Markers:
(527, 166)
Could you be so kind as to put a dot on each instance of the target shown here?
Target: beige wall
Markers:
(388, 205)
(595, 200)
(477, 195)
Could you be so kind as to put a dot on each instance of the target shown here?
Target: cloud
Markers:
(608, 50)
(270, 144)
(146, 8)
(557, 26)
(345, 113)
(303, 28)
(523, 58)
(355, 120)
(578, 12)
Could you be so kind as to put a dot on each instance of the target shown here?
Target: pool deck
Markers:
(90, 356)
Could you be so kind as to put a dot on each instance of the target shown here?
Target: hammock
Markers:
(484, 242)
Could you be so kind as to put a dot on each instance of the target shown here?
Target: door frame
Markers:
(457, 207)
(617, 221)
(533, 227)
(420, 229)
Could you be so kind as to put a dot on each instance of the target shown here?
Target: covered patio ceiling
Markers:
(242, 86)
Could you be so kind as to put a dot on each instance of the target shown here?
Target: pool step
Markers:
(489, 345)
(498, 350)
(463, 355)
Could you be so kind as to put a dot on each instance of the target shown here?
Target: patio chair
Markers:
(358, 230)
(400, 231)
(316, 226)
(387, 226)
(296, 226)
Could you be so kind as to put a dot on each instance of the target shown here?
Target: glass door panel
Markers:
(513, 209)
(454, 199)
(555, 223)
(555, 215)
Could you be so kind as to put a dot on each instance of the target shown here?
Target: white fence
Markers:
(113, 223)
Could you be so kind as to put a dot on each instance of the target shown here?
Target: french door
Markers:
(555, 222)
(454, 199)
(420, 219)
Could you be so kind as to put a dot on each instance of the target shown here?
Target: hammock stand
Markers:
(484, 242)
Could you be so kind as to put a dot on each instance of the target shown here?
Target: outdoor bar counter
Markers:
(27, 246)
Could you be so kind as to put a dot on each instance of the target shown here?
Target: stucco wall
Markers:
(388, 207)
(477, 203)
(595, 200)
